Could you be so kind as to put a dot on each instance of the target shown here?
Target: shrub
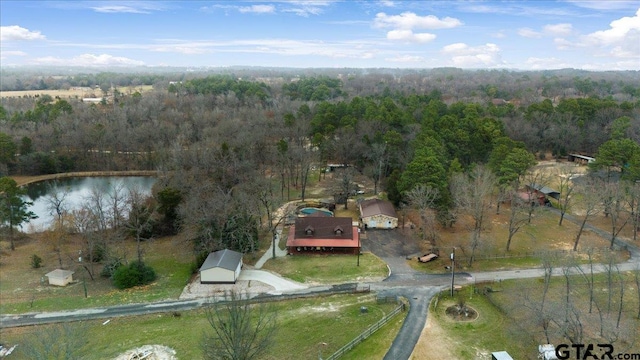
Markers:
(36, 261)
(110, 268)
(200, 258)
(135, 274)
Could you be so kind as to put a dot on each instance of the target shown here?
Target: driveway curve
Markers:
(279, 283)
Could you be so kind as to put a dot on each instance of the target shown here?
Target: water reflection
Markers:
(76, 193)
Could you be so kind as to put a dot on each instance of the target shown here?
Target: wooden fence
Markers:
(364, 335)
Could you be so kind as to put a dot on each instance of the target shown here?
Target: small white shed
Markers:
(221, 267)
(60, 277)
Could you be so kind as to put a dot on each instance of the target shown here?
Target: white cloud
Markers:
(131, 7)
(88, 60)
(409, 20)
(406, 59)
(5, 53)
(259, 9)
(118, 9)
(307, 7)
(410, 36)
(529, 33)
(535, 63)
(558, 29)
(605, 5)
(499, 35)
(463, 55)
(621, 42)
(17, 33)
(387, 3)
(620, 30)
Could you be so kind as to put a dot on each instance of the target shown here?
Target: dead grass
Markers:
(542, 235)
(73, 92)
(434, 344)
(23, 288)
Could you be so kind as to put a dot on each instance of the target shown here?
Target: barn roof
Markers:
(226, 259)
(373, 207)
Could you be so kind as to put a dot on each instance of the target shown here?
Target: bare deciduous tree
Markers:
(613, 195)
(518, 216)
(62, 341)
(590, 205)
(566, 184)
(140, 221)
(472, 194)
(57, 205)
(423, 197)
(239, 330)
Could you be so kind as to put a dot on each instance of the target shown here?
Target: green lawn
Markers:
(328, 269)
(303, 324)
(488, 333)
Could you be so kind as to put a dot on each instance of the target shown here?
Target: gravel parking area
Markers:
(195, 290)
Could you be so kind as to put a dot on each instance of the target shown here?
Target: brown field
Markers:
(73, 92)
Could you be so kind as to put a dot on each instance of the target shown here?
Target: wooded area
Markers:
(232, 145)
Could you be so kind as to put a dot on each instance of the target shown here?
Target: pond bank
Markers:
(26, 180)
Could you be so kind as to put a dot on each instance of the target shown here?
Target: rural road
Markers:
(392, 247)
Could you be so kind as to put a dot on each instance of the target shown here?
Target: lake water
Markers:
(78, 191)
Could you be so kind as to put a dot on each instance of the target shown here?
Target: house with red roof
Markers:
(328, 235)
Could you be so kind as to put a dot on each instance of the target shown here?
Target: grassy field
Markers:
(508, 322)
(303, 324)
(542, 236)
(329, 269)
(474, 339)
(22, 288)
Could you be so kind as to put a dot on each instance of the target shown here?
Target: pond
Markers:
(78, 192)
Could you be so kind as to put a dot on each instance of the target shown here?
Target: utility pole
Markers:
(358, 247)
(453, 266)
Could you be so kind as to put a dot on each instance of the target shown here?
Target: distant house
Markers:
(580, 159)
(499, 102)
(60, 277)
(537, 194)
(378, 214)
(221, 267)
(331, 235)
(544, 190)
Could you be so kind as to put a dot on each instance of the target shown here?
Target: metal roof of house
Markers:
(545, 190)
(226, 259)
(373, 207)
(324, 231)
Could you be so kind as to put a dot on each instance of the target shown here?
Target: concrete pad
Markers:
(279, 283)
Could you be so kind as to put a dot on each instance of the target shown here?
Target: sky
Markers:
(469, 34)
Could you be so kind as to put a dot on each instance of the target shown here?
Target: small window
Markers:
(338, 230)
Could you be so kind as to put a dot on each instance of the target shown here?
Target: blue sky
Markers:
(472, 34)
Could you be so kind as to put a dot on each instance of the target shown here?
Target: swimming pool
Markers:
(313, 211)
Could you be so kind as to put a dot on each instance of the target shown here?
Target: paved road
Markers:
(392, 246)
